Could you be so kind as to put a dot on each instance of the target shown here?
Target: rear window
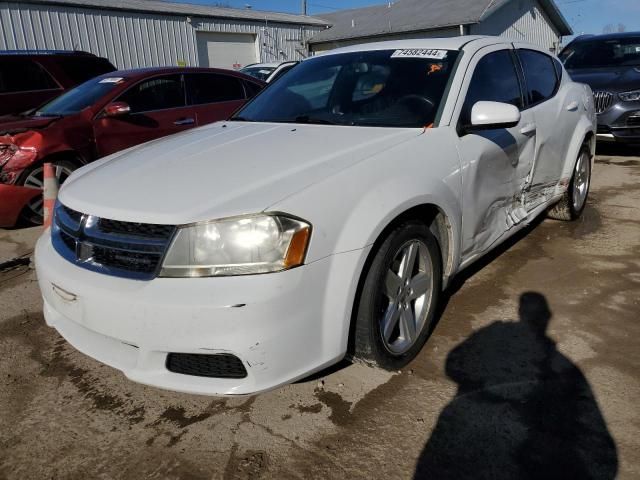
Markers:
(80, 69)
(540, 75)
(24, 75)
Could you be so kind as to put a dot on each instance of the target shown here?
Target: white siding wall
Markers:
(448, 32)
(522, 20)
(132, 39)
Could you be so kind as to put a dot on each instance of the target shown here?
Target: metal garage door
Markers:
(226, 50)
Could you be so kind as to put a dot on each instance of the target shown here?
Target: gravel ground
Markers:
(532, 372)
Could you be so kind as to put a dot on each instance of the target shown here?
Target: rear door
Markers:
(214, 96)
(158, 108)
(496, 161)
(24, 84)
(556, 111)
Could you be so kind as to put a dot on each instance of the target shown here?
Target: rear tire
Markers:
(34, 177)
(396, 309)
(572, 204)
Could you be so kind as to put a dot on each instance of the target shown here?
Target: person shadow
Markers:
(522, 409)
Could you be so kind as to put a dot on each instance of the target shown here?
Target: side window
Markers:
(252, 89)
(24, 75)
(540, 75)
(211, 88)
(494, 80)
(158, 93)
(79, 69)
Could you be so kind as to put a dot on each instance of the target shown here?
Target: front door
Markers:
(158, 108)
(495, 162)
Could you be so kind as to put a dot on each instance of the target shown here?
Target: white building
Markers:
(143, 33)
(535, 21)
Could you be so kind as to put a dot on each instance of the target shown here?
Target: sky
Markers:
(584, 16)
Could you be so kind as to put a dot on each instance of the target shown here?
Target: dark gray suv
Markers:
(610, 64)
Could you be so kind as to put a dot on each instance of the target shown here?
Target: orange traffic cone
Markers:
(50, 193)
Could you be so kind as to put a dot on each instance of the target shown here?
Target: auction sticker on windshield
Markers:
(420, 53)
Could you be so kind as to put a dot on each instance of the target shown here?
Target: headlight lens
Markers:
(633, 96)
(237, 246)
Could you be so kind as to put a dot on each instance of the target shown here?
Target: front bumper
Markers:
(620, 123)
(282, 326)
(13, 199)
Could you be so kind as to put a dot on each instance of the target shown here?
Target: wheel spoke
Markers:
(392, 285)
(37, 205)
(59, 170)
(408, 261)
(33, 181)
(408, 324)
(390, 320)
(419, 286)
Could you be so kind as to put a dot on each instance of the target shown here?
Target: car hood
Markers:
(618, 79)
(220, 170)
(11, 124)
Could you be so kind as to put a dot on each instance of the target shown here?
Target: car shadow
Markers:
(522, 409)
(617, 150)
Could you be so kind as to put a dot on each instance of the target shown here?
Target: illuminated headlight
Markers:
(633, 96)
(237, 246)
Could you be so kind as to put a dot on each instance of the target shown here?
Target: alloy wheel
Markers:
(581, 179)
(35, 179)
(408, 287)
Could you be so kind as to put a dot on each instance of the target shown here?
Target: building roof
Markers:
(161, 7)
(403, 16)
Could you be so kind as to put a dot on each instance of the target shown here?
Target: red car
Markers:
(29, 78)
(104, 115)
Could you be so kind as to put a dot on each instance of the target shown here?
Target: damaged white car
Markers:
(321, 221)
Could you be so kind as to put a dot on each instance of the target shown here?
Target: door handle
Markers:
(572, 107)
(185, 121)
(528, 129)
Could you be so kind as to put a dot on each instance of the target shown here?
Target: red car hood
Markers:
(10, 124)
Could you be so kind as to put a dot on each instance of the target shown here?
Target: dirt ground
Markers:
(532, 372)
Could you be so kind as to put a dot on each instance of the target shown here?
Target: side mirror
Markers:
(490, 115)
(117, 109)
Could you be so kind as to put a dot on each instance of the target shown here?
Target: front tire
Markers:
(572, 204)
(398, 301)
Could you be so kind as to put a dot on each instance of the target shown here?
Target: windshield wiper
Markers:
(239, 119)
(313, 120)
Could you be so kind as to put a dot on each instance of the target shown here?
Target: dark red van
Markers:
(29, 78)
(104, 115)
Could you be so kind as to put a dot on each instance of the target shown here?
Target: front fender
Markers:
(350, 209)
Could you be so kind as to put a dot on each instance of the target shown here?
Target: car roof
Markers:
(138, 73)
(45, 52)
(449, 43)
(264, 65)
(607, 36)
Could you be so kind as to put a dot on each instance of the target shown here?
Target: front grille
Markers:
(603, 101)
(222, 365)
(124, 249)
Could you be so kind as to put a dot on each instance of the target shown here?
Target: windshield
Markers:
(602, 53)
(386, 88)
(79, 98)
(261, 73)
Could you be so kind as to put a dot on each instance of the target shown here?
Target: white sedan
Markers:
(321, 221)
